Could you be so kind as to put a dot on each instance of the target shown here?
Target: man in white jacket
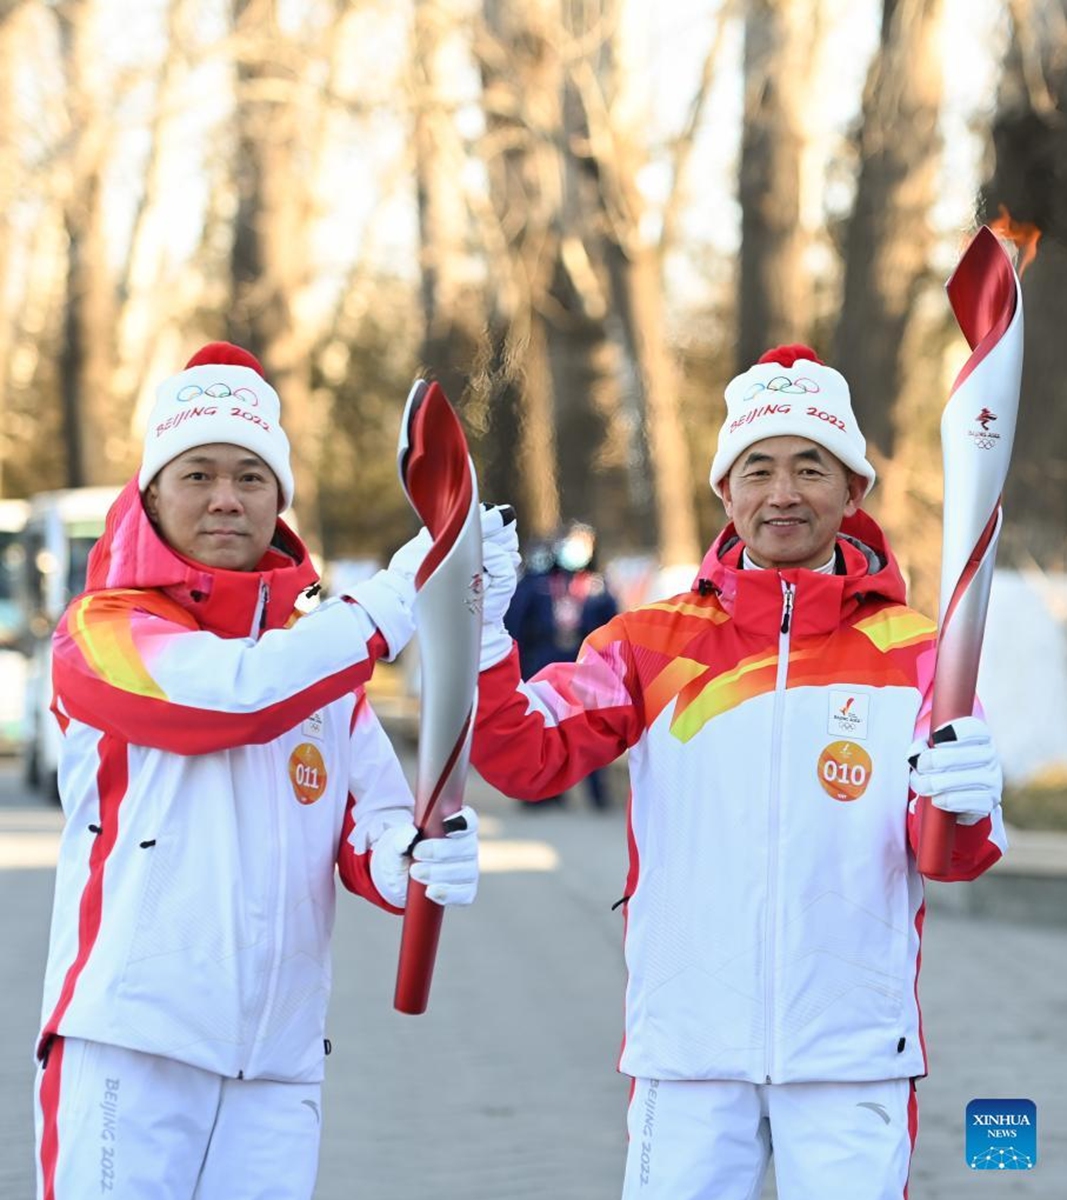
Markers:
(773, 909)
(221, 767)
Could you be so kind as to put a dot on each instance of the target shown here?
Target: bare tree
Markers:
(280, 126)
(772, 292)
(890, 238)
(94, 443)
(633, 265)
(1029, 181)
(148, 282)
(889, 345)
(596, 305)
(33, 251)
(522, 89)
(602, 452)
(10, 178)
(450, 295)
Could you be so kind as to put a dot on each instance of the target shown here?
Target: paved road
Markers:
(506, 1089)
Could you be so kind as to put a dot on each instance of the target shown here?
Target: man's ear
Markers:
(857, 487)
(150, 499)
(727, 498)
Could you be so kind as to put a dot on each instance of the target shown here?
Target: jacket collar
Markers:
(866, 569)
(131, 554)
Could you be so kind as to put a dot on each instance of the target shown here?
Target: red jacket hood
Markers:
(821, 602)
(131, 554)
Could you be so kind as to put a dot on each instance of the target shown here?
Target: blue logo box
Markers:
(1001, 1135)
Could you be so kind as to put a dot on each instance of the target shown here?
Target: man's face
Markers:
(787, 497)
(215, 504)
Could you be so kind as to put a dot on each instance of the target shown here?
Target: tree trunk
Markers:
(888, 346)
(147, 287)
(11, 179)
(604, 474)
(637, 295)
(95, 447)
(773, 297)
(452, 316)
(521, 87)
(662, 508)
(890, 238)
(1029, 179)
(270, 251)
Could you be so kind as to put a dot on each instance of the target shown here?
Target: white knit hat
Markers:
(221, 396)
(790, 391)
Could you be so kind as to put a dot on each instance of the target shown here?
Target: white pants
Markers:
(115, 1121)
(712, 1140)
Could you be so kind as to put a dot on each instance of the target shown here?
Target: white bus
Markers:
(12, 663)
(60, 530)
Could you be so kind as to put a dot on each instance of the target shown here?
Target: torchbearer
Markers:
(221, 769)
(977, 432)
(773, 906)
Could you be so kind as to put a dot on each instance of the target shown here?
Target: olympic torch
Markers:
(438, 476)
(977, 431)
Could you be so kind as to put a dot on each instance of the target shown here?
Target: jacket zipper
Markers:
(787, 606)
(772, 828)
(276, 875)
(259, 618)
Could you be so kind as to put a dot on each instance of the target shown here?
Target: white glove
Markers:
(448, 866)
(389, 595)
(500, 571)
(501, 559)
(961, 773)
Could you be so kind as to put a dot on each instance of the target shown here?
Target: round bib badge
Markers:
(307, 773)
(844, 770)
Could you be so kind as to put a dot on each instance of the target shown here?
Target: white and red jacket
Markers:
(220, 766)
(774, 910)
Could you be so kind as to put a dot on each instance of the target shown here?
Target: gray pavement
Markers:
(506, 1088)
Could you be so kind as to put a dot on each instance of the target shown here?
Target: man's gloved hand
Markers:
(448, 866)
(389, 595)
(500, 566)
(960, 773)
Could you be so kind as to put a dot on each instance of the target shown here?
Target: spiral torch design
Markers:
(977, 432)
(438, 476)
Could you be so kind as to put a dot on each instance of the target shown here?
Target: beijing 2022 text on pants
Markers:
(118, 1122)
(712, 1139)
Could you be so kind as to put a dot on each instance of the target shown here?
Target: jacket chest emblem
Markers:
(307, 773)
(313, 726)
(848, 713)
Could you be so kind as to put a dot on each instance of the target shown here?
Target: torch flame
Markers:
(1024, 235)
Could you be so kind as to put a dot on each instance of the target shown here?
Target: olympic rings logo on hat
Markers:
(217, 391)
(782, 383)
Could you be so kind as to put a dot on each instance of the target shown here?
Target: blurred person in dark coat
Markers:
(560, 599)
